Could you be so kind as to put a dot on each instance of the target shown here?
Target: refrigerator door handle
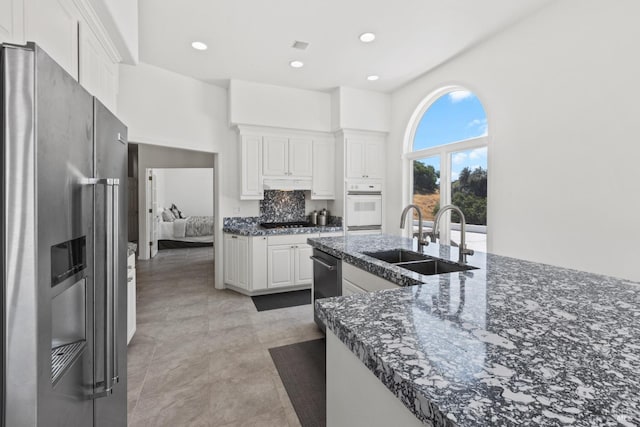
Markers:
(105, 388)
(115, 219)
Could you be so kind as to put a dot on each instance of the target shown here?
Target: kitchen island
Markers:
(510, 343)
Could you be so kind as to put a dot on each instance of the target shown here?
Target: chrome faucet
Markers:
(462, 250)
(403, 218)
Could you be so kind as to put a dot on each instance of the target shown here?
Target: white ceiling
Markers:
(251, 39)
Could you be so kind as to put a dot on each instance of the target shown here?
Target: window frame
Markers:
(444, 152)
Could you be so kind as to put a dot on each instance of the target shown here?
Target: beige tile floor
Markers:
(200, 355)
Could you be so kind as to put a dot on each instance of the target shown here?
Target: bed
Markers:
(190, 229)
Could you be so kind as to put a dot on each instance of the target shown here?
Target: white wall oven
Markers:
(364, 208)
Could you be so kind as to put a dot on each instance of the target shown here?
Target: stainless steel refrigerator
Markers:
(63, 234)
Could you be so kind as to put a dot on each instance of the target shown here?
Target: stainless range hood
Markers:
(287, 184)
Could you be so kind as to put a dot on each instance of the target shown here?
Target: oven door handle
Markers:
(364, 193)
(323, 263)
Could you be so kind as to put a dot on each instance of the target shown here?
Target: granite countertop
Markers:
(131, 248)
(512, 343)
(250, 227)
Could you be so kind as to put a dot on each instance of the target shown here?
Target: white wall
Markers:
(191, 190)
(361, 109)
(561, 93)
(167, 109)
(276, 106)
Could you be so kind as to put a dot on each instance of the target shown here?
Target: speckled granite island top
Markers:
(512, 343)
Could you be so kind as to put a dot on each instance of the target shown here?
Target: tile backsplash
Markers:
(282, 206)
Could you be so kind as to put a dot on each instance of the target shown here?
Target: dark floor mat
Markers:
(302, 368)
(282, 300)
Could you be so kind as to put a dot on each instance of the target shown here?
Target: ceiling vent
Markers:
(300, 45)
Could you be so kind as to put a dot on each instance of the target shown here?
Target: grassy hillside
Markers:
(426, 203)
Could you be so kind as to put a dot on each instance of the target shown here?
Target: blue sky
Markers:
(454, 116)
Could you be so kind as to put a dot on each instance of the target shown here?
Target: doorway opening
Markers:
(180, 208)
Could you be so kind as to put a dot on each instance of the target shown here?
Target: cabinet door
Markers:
(280, 266)
(356, 157)
(53, 25)
(251, 168)
(243, 262)
(98, 74)
(258, 265)
(324, 170)
(230, 260)
(275, 156)
(301, 157)
(303, 265)
(374, 164)
(11, 21)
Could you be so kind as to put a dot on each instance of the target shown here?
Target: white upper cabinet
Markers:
(53, 24)
(364, 158)
(71, 33)
(300, 157)
(251, 167)
(287, 157)
(323, 186)
(11, 21)
(374, 159)
(275, 160)
(283, 157)
(98, 73)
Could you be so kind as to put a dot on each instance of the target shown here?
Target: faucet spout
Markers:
(403, 220)
(463, 251)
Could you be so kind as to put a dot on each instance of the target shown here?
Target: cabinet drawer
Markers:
(290, 239)
(349, 288)
(365, 280)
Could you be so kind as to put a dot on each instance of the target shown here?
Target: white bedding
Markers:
(176, 230)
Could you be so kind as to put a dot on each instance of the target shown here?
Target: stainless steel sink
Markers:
(396, 256)
(419, 263)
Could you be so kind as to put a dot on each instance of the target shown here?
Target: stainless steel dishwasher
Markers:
(327, 279)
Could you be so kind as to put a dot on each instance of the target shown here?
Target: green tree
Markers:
(425, 178)
(469, 193)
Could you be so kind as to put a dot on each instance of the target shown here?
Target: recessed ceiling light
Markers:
(372, 78)
(296, 64)
(367, 37)
(199, 46)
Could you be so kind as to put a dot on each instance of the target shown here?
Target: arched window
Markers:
(446, 161)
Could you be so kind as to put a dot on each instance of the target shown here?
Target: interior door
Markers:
(152, 207)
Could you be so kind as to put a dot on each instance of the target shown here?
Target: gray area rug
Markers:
(302, 368)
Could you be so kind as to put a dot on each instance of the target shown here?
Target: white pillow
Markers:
(168, 216)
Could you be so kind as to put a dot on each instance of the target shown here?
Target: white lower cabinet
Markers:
(280, 266)
(258, 263)
(289, 262)
(236, 260)
(303, 265)
(349, 288)
(356, 280)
